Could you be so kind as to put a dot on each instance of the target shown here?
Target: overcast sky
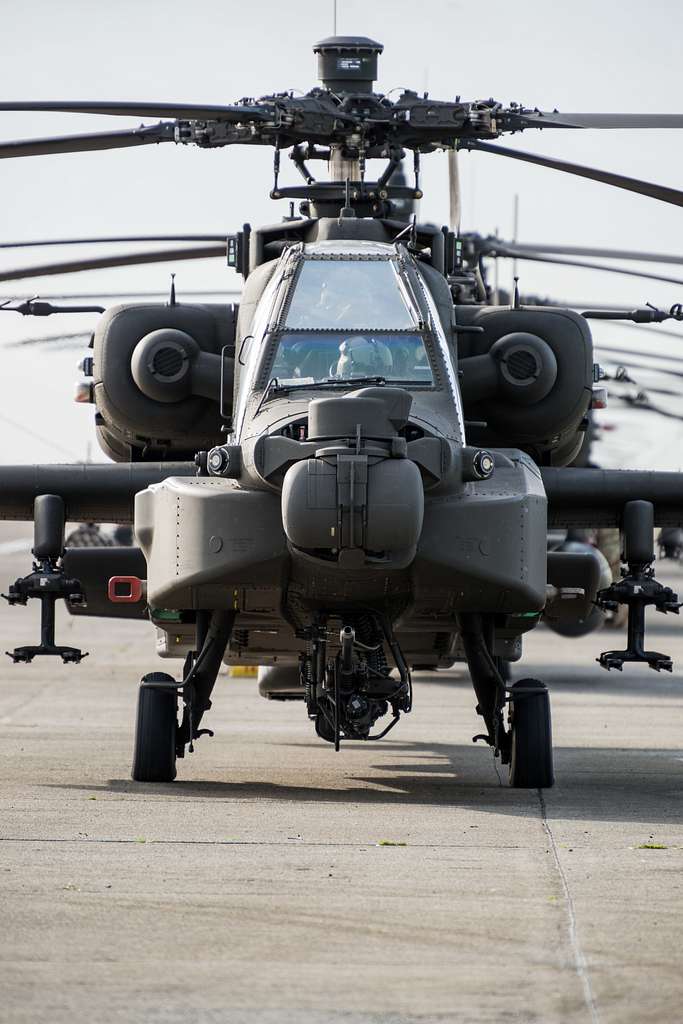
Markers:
(585, 56)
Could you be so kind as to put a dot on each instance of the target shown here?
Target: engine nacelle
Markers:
(157, 378)
(527, 375)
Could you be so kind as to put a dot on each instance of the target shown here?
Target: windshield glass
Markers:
(311, 357)
(353, 294)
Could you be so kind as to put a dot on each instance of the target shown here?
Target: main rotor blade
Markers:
(511, 252)
(645, 188)
(556, 119)
(182, 111)
(113, 238)
(104, 262)
(144, 136)
(611, 254)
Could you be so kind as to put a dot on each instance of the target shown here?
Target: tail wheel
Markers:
(155, 729)
(531, 760)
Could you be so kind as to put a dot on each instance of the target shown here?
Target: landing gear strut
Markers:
(159, 739)
(527, 745)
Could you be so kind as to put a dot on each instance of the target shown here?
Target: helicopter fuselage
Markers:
(355, 487)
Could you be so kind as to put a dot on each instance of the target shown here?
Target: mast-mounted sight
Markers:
(348, 64)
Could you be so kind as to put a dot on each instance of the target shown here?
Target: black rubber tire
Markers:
(323, 727)
(531, 758)
(155, 730)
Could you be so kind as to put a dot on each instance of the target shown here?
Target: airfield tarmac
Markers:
(278, 883)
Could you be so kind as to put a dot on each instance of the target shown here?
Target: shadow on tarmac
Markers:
(604, 784)
(592, 782)
(580, 678)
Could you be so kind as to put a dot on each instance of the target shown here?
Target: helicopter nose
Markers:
(359, 498)
(335, 503)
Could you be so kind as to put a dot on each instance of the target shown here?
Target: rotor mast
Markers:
(347, 66)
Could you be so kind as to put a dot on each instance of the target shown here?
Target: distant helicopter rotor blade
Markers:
(627, 352)
(229, 293)
(511, 252)
(71, 340)
(105, 262)
(538, 300)
(582, 250)
(650, 390)
(647, 406)
(665, 194)
(650, 328)
(454, 193)
(234, 113)
(38, 243)
(91, 142)
(631, 365)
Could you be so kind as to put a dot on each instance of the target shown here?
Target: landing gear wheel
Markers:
(155, 730)
(531, 760)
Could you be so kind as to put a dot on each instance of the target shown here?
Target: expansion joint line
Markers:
(580, 965)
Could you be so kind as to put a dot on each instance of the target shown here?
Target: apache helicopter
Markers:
(357, 464)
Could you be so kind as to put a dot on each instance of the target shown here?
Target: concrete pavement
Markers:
(277, 882)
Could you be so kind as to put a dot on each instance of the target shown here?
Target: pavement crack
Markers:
(580, 965)
(292, 844)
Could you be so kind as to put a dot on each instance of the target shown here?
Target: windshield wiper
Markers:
(274, 386)
(331, 382)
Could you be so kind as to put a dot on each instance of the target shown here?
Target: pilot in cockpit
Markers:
(320, 357)
(361, 356)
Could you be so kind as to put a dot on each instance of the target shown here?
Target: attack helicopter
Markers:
(353, 470)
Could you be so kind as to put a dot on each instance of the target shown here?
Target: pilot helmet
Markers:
(363, 356)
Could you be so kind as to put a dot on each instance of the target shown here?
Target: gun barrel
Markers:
(347, 638)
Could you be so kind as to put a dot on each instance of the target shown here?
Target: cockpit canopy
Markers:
(348, 317)
(350, 293)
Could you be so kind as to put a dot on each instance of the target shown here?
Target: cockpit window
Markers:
(350, 294)
(311, 357)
